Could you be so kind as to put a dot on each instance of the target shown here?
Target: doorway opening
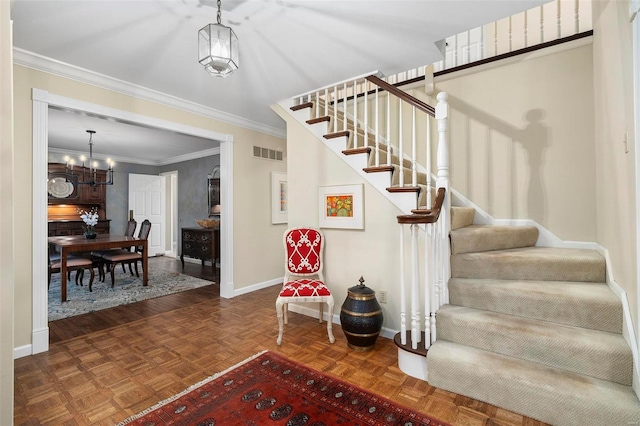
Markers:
(42, 100)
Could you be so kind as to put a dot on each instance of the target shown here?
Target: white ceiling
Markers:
(286, 47)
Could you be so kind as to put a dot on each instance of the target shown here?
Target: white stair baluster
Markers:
(345, 97)
(414, 149)
(432, 285)
(428, 163)
(559, 17)
(400, 145)
(366, 113)
(335, 109)
(510, 35)
(388, 128)
(326, 102)
(427, 288)
(495, 38)
(577, 16)
(415, 289)
(355, 113)
(377, 129)
(541, 24)
(316, 107)
(525, 29)
(403, 293)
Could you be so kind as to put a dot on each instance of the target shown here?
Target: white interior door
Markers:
(147, 200)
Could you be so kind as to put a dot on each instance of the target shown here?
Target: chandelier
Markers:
(218, 48)
(89, 174)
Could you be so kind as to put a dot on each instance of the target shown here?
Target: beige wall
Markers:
(615, 172)
(250, 235)
(6, 219)
(372, 252)
(522, 144)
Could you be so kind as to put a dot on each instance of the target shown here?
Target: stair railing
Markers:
(369, 118)
(365, 109)
(543, 24)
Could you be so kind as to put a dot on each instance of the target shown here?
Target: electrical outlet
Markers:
(383, 296)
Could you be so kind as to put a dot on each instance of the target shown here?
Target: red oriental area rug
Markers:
(269, 389)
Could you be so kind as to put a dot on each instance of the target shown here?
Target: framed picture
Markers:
(279, 200)
(341, 206)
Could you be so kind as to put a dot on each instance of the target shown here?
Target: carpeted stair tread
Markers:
(531, 263)
(477, 238)
(574, 349)
(587, 305)
(551, 395)
(461, 217)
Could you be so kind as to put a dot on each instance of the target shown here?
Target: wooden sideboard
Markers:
(201, 243)
(74, 227)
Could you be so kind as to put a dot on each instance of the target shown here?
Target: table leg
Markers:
(63, 274)
(145, 263)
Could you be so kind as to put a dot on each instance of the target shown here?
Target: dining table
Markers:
(79, 244)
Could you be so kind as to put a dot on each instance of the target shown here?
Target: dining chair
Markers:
(74, 263)
(128, 257)
(97, 255)
(303, 278)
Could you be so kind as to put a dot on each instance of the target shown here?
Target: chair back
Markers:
(131, 228)
(303, 252)
(143, 233)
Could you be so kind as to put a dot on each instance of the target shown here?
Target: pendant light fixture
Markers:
(90, 176)
(218, 48)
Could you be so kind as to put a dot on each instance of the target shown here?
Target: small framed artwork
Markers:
(341, 206)
(279, 200)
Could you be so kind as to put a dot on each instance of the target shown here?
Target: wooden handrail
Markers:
(402, 95)
(429, 216)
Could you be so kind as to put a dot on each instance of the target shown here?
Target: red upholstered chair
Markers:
(303, 277)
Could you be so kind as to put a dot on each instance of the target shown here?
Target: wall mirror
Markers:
(213, 180)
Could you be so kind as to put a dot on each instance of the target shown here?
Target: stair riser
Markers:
(471, 265)
(603, 313)
(604, 356)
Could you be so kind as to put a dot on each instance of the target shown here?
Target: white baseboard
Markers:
(259, 286)
(22, 351)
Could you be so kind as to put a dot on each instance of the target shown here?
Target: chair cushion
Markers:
(72, 262)
(122, 257)
(304, 288)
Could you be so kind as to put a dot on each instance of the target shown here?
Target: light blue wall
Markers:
(192, 188)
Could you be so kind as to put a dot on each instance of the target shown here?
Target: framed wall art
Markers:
(279, 200)
(341, 206)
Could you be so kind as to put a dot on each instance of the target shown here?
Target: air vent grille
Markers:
(266, 153)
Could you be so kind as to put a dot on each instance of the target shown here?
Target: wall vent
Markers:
(266, 153)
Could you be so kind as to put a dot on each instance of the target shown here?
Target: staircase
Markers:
(535, 330)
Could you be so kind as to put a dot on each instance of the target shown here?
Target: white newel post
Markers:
(442, 181)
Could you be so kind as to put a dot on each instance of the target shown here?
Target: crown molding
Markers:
(52, 66)
(131, 160)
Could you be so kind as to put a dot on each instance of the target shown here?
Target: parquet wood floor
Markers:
(131, 360)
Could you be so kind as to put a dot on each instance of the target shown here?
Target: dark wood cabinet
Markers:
(84, 194)
(64, 203)
(201, 243)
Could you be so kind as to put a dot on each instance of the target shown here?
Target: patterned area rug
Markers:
(127, 289)
(269, 389)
